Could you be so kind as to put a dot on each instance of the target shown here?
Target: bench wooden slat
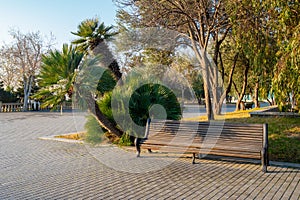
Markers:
(210, 137)
(197, 144)
(202, 145)
(193, 135)
(253, 155)
(256, 131)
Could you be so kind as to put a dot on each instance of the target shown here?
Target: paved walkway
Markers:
(31, 168)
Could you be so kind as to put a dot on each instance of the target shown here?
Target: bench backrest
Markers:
(215, 137)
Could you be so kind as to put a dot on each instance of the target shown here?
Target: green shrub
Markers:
(125, 140)
(94, 131)
(106, 83)
(105, 106)
(139, 97)
(6, 96)
(149, 100)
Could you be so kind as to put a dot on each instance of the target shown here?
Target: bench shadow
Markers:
(293, 171)
(224, 159)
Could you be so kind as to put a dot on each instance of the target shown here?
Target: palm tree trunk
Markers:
(107, 59)
(101, 118)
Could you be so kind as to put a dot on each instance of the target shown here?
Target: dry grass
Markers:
(293, 132)
(109, 138)
(229, 115)
(73, 136)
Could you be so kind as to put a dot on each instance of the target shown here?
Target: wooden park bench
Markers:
(207, 138)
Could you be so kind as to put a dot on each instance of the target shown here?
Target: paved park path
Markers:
(31, 168)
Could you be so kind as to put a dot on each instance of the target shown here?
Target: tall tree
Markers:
(285, 23)
(92, 41)
(26, 52)
(203, 22)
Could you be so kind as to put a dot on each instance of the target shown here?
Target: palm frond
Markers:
(91, 33)
(57, 73)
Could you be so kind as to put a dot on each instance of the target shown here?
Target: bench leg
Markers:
(264, 160)
(194, 157)
(267, 159)
(137, 146)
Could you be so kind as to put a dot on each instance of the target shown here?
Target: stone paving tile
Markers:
(41, 169)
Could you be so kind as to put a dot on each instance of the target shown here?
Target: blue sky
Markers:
(57, 16)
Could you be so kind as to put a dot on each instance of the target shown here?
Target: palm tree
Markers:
(57, 75)
(92, 39)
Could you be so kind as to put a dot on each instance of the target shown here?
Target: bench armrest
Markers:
(147, 128)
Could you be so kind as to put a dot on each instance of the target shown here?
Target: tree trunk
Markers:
(101, 118)
(239, 104)
(107, 59)
(270, 102)
(207, 87)
(27, 89)
(25, 103)
(218, 106)
(61, 109)
(204, 62)
(255, 99)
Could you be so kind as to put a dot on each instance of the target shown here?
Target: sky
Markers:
(58, 17)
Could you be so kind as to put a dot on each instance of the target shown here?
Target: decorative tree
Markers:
(25, 53)
(92, 41)
(57, 75)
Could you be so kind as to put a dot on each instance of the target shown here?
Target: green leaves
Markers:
(142, 96)
(286, 82)
(57, 75)
(91, 33)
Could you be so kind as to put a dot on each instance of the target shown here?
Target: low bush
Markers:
(94, 132)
